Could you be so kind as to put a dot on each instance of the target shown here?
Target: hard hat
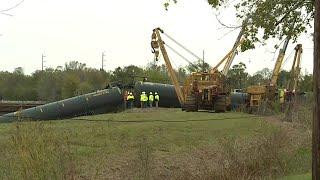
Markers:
(150, 92)
(130, 93)
(143, 92)
(155, 93)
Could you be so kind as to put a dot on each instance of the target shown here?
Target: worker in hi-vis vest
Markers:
(281, 99)
(151, 99)
(130, 100)
(143, 100)
(156, 99)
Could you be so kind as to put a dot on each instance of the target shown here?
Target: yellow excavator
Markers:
(267, 93)
(201, 90)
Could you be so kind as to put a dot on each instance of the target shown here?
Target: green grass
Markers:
(116, 146)
(298, 177)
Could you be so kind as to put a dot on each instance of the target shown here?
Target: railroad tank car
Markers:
(167, 93)
(103, 101)
(238, 99)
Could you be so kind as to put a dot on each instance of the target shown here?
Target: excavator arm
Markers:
(156, 44)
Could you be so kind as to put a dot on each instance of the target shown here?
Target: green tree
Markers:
(198, 66)
(49, 83)
(266, 73)
(157, 74)
(127, 74)
(284, 77)
(306, 83)
(70, 84)
(256, 79)
(84, 88)
(237, 76)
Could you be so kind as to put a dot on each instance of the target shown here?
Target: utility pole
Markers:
(102, 61)
(203, 68)
(316, 93)
(42, 61)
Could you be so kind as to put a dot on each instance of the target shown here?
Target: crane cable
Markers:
(183, 47)
(181, 56)
(286, 60)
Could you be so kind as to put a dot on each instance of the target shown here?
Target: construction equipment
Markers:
(267, 93)
(291, 93)
(201, 90)
(294, 73)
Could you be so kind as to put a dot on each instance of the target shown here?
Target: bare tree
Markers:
(7, 10)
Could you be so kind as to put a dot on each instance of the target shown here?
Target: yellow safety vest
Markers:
(151, 97)
(281, 95)
(156, 97)
(130, 97)
(143, 97)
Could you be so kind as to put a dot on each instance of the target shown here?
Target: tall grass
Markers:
(35, 151)
(229, 149)
(266, 155)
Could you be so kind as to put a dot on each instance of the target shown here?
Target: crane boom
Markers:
(233, 53)
(295, 70)
(172, 73)
(229, 57)
(277, 67)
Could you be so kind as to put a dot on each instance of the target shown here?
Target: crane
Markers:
(277, 67)
(156, 43)
(260, 93)
(293, 82)
(295, 70)
(201, 90)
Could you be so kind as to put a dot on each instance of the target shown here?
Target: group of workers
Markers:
(145, 100)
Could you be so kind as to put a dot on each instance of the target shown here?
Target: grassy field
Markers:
(154, 144)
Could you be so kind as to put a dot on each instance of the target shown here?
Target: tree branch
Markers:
(227, 26)
(9, 9)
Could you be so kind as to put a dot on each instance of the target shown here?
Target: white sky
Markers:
(66, 30)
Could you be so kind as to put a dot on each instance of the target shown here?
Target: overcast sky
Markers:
(81, 30)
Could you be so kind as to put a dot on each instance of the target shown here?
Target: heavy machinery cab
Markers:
(202, 89)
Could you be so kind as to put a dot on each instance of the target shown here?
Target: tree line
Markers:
(238, 78)
(76, 78)
(73, 79)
